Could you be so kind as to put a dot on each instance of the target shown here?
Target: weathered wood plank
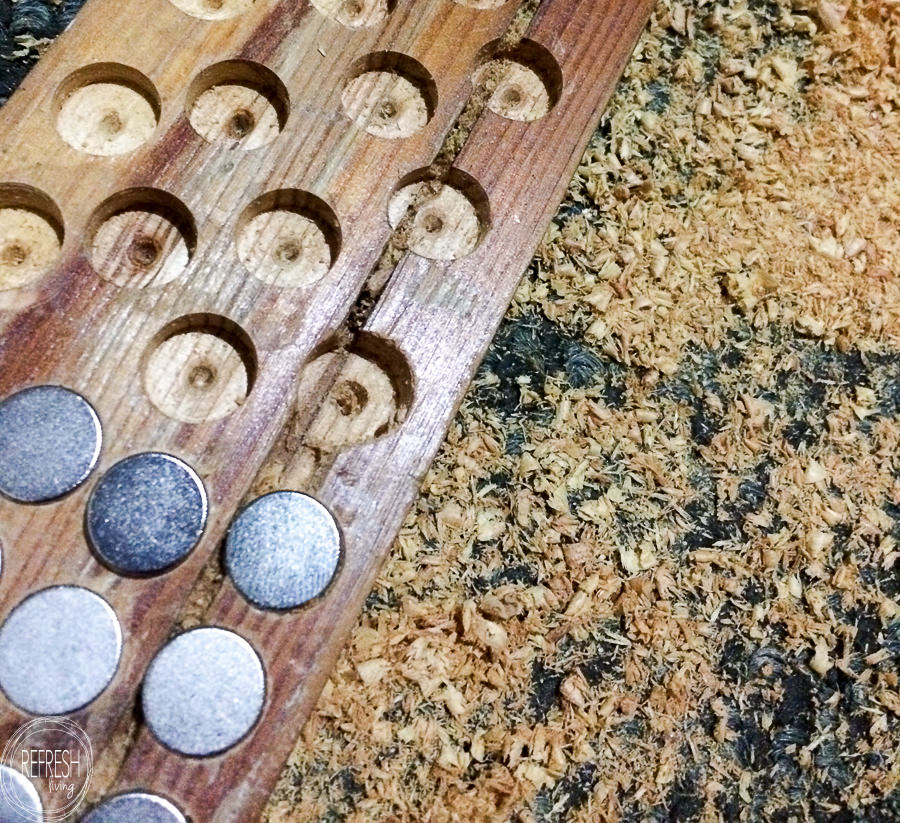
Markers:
(441, 315)
(93, 335)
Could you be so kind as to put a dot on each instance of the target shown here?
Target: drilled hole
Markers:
(31, 235)
(355, 14)
(432, 223)
(200, 368)
(241, 124)
(238, 102)
(525, 81)
(390, 95)
(14, 254)
(107, 109)
(288, 238)
(213, 9)
(141, 237)
(367, 393)
(440, 220)
(350, 397)
(202, 376)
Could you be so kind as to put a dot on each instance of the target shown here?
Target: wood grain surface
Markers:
(425, 333)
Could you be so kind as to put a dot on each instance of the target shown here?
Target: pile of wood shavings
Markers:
(653, 574)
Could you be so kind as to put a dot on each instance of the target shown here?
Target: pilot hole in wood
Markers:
(141, 237)
(200, 368)
(390, 95)
(355, 14)
(238, 103)
(213, 9)
(106, 109)
(31, 235)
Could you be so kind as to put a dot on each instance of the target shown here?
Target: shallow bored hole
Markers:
(141, 237)
(390, 95)
(31, 235)
(367, 393)
(441, 220)
(213, 9)
(288, 238)
(107, 109)
(200, 368)
(355, 14)
(238, 102)
(525, 82)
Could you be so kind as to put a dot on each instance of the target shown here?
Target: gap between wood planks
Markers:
(343, 351)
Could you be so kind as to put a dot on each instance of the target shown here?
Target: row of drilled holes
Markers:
(109, 109)
(289, 238)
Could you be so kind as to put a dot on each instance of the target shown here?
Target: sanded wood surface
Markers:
(426, 333)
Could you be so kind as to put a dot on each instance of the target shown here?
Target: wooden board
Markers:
(412, 340)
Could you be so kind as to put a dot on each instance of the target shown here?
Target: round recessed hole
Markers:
(107, 109)
(355, 14)
(213, 9)
(524, 82)
(31, 235)
(390, 95)
(361, 394)
(288, 238)
(440, 219)
(238, 103)
(200, 368)
(141, 237)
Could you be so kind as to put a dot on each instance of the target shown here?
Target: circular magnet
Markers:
(203, 691)
(283, 550)
(49, 443)
(59, 648)
(19, 800)
(134, 806)
(146, 514)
